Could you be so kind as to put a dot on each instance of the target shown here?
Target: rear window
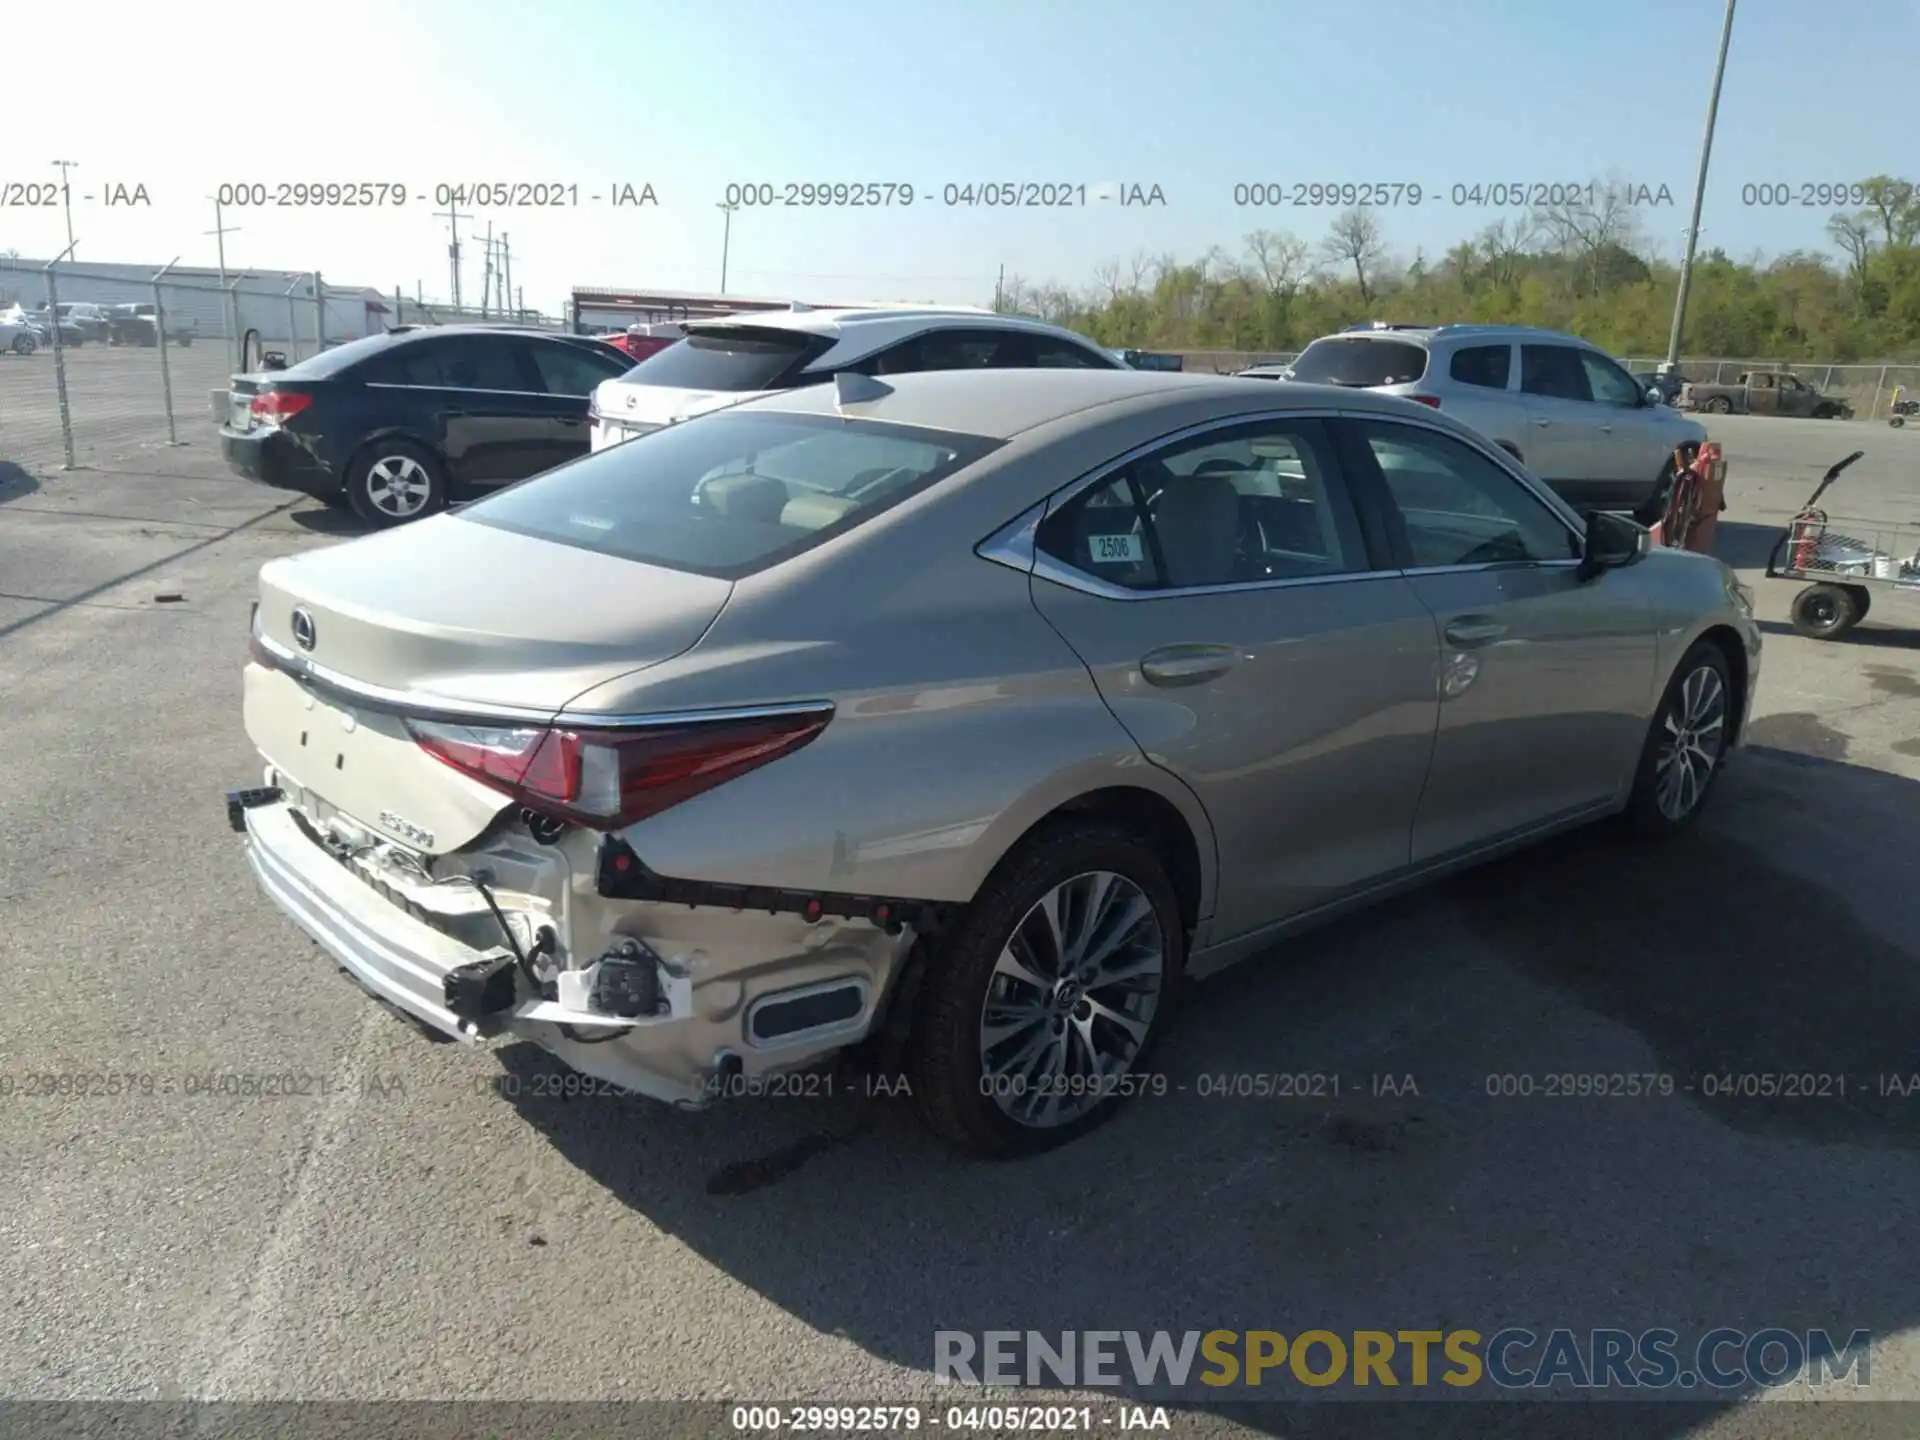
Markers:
(1343, 360)
(732, 358)
(730, 493)
(331, 362)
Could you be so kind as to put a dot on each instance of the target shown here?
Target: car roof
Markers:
(879, 323)
(999, 404)
(1428, 334)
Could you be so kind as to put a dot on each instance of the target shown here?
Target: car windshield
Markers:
(733, 358)
(1358, 361)
(731, 493)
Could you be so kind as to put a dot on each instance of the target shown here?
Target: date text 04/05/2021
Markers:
(473, 194)
(959, 1419)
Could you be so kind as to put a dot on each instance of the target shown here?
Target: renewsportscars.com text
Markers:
(1510, 1359)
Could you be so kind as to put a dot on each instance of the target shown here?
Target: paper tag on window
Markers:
(1115, 549)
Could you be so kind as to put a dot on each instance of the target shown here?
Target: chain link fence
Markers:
(139, 361)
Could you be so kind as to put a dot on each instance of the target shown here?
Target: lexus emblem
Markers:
(303, 634)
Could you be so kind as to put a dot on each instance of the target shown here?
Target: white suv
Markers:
(1562, 407)
(724, 362)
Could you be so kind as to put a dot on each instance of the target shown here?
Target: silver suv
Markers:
(1560, 406)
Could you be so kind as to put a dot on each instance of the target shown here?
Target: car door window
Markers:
(1487, 367)
(1052, 354)
(483, 362)
(973, 350)
(569, 370)
(1553, 371)
(1609, 383)
(1259, 502)
(415, 364)
(1458, 506)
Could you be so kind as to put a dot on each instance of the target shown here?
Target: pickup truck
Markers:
(135, 325)
(1764, 392)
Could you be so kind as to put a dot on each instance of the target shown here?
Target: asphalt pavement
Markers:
(423, 1221)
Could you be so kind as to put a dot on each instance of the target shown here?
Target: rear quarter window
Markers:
(1358, 361)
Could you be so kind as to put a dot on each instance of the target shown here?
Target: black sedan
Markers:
(397, 425)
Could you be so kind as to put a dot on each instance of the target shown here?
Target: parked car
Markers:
(81, 322)
(1272, 371)
(640, 341)
(1764, 392)
(723, 362)
(72, 333)
(18, 334)
(958, 715)
(1562, 407)
(138, 324)
(396, 425)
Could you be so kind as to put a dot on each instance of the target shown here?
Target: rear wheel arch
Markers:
(1512, 449)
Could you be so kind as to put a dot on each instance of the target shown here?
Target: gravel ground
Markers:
(424, 1224)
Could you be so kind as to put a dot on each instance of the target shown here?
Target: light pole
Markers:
(1699, 193)
(726, 240)
(220, 232)
(66, 196)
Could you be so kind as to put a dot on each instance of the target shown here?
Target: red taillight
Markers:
(609, 779)
(1432, 400)
(273, 407)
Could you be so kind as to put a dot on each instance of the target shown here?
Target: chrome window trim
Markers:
(1015, 544)
(473, 390)
(424, 705)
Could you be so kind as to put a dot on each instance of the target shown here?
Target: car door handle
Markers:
(1542, 422)
(1471, 630)
(1176, 665)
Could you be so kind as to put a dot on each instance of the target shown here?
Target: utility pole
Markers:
(506, 275)
(452, 216)
(1699, 194)
(999, 286)
(486, 279)
(66, 197)
(220, 232)
(726, 240)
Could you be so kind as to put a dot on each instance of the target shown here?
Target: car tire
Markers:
(1897, 421)
(186, 342)
(1002, 957)
(24, 345)
(1686, 745)
(392, 482)
(1826, 612)
(1718, 405)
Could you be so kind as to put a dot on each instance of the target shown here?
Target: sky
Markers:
(1189, 97)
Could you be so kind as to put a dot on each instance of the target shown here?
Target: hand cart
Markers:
(1845, 568)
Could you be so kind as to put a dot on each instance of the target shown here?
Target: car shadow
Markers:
(1870, 633)
(15, 482)
(1731, 954)
(330, 520)
(1745, 546)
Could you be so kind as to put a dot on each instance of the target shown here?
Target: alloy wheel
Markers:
(399, 486)
(1071, 999)
(1695, 728)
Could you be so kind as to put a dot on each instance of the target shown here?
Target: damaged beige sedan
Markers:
(967, 712)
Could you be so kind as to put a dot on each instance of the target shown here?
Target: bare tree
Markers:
(1139, 266)
(1854, 235)
(1503, 245)
(1107, 276)
(1280, 260)
(1355, 240)
(1590, 222)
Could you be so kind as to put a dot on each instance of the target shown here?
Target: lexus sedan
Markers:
(956, 715)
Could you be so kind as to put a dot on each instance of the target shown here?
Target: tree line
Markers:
(1581, 266)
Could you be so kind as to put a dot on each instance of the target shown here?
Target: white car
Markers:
(723, 362)
(18, 333)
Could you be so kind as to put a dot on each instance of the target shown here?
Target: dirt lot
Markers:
(422, 1223)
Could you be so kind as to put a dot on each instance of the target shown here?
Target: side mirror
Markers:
(1654, 397)
(1612, 543)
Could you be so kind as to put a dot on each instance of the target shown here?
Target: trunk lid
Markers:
(454, 613)
(468, 613)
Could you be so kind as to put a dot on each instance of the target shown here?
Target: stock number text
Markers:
(1815, 194)
(1313, 193)
(301, 194)
(819, 194)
